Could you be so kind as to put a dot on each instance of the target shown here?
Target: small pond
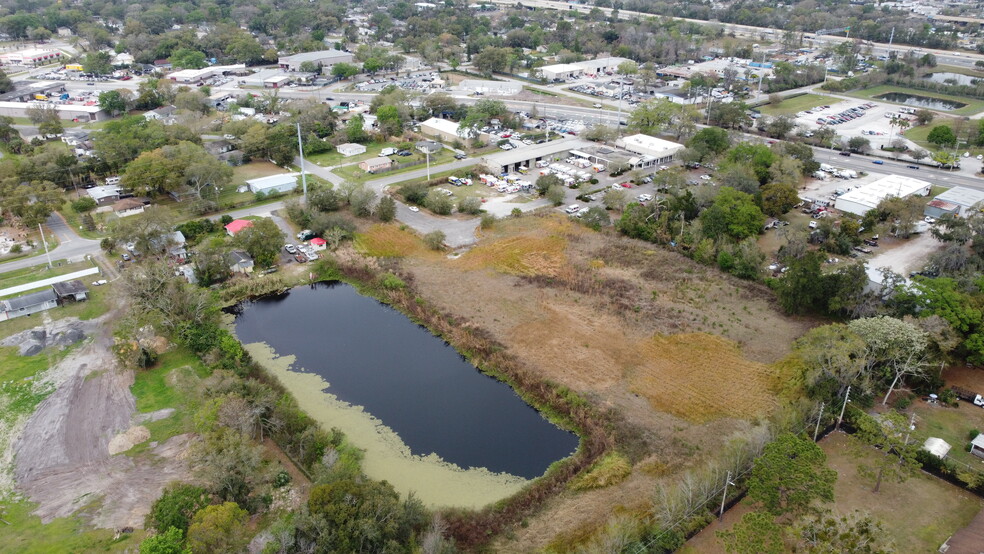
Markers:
(921, 101)
(949, 78)
(372, 356)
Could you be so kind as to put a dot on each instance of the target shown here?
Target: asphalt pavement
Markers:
(71, 246)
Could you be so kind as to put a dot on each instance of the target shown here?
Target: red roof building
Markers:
(237, 225)
(318, 243)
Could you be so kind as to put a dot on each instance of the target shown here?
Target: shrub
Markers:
(83, 204)
(439, 203)
(176, 506)
(18, 248)
(392, 282)
(516, 212)
(488, 220)
(972, 434)
(471, 205)
(225, 219)
(414, 193)
(902, 402)
(435, 240)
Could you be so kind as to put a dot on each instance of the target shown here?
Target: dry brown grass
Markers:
(533, 251)
(388, 240)
(699, 377)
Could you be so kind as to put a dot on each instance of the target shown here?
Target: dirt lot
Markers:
(62, 458)
(680, 350)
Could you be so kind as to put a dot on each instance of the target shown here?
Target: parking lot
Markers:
(418, 81)
(870, 120)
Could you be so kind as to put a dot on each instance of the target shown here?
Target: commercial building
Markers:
(260, 78)
(499, 88)
(661, 150)
(285, 182)
(350, 149)
(960, 201)
(561, 71)
(68, 112)
(867, 197)
(442, 129)
(565, 71)
(27, 92)
(322, 58)
(512, 160)
(30, 56)
(195, 76)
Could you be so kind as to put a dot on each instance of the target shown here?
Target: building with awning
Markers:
(659, 149)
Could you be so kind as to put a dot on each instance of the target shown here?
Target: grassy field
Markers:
(973, 105)
(790, 106)
(26, 533)
(389, 240)
(169, 384)
(38, 272)
(354, 173)
(951, 425)
(331, 159)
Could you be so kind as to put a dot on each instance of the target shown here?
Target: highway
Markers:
(946, 57)
(935, 176)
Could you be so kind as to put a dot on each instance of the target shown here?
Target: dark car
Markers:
(403, 153)
(460, 156)
(913, 166)
(845, 153)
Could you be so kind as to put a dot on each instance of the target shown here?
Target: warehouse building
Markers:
(442, 129)
(322, 58)
(30, 56)
(511, 160)
(661, 150)
(285, 182)
(499, 88)
(960, 201)
(867, 197)
(68, 112)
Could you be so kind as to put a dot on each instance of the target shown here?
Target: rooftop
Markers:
(238, 225)
(273, 180)
(891, 185)
(550, 148)
(68, 288)
(313, 56)
(29, 299)
(649, 143)
(962, 196)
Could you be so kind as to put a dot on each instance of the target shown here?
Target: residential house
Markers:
(28, 304)
(237, 225)
(174, 244)
(75, 137)
(128, 207)
(73, 291)
(374, 165)
(240, 262)
(104, 195)
(350, 149)
(164, 114)
(977, 446)
(218, 147)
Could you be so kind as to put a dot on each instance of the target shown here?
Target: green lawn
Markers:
(973, 105)
(26, 533)
(353, 173)
(920, 133)
(791, 106)
(331, 159)
(74, 219)
(951, 425)
(38, 272)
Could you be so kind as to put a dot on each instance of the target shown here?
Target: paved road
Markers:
(865, 163)
(71, 246)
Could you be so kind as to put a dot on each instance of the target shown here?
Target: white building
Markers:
(284, 182)
(565, 71)
(867, 197)
(30, 56)
(501, 88)
(323, 58)
(662, 150)
(350, 149)
(442, 129)
(68, 112)
(561, 71)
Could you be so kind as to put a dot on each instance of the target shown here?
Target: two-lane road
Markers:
(70, 247)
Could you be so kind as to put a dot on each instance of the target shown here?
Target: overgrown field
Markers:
(682, 353)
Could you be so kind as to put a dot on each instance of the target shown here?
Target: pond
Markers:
(921, 101)
(401, 394)
(949, 78)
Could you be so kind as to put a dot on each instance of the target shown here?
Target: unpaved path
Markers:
(62, 459)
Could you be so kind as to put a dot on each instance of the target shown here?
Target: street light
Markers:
(429, 147)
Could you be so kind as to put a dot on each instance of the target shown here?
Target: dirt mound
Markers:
(128, 439)
(61, 333)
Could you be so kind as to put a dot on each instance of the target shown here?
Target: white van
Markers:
(114, 180)
(573, 209)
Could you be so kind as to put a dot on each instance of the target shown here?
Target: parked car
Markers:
(414, 209)
(913, 166)
(845, 153)
(878, 162)
(290, 248)
(99, 282)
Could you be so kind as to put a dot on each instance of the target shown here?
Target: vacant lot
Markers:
(796, 104)
(681, 351)
(918, 514)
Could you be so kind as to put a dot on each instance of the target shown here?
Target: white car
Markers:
(414, 209)
(229, 137)
(813, 224)
(573, 209)
(99, 282)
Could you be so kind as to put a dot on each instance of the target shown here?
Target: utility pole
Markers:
(847, 397)
(45, 243)
(300, 150)
(912, 424)
(816, 431)
(724, 497)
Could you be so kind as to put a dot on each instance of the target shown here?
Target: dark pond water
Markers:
(952, 78)
(921, 101)
(415, 383)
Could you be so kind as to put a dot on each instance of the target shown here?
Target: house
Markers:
(237, 225)
(128, 207)
(164, 114)
(373, 165)
(977, 446)
(218, 147)
(73, 291)
(28, 304)
(104, 195)
(350, 149)
(240, 262)
(172, 243)
(318, 243)
(284, 182)
(75, 137)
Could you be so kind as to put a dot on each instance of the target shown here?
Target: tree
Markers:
(734, 214)
(544, 182)
(897, 347)
(555, 194)
(470, 205)
(756, 533)
(262, 241)
(211, 265)
(889, 432)
(439, 203)
(40, 113)
(924, 117)
(389, 120)
(857, 533)
(492, 60)
(344, 70)
(653, 116)
(154, 173)
(187, 58)
(859, 144)
(168, 542)
(113, 101)
(218, 528)
(709, 141)
(596, 217)
(946, 159)
(778, 198)
(780, 127)
(615, 199)
(355, 130)
(802, 288)
(832, 353)
(942, 135)
(84, 204)
(6, 85)
(176, 506)
(362, 200)
(435, 240)
(386, 210)
(97, 63)
(790, 475)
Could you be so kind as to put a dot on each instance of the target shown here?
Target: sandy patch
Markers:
(128, 439)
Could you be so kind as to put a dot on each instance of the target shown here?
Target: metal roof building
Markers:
(28, 304)
(867, 197)
(324, 58)
(512, 160)
(284, 182)
(966, 199)
(662, 150)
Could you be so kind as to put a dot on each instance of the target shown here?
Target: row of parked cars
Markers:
(844, 116)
